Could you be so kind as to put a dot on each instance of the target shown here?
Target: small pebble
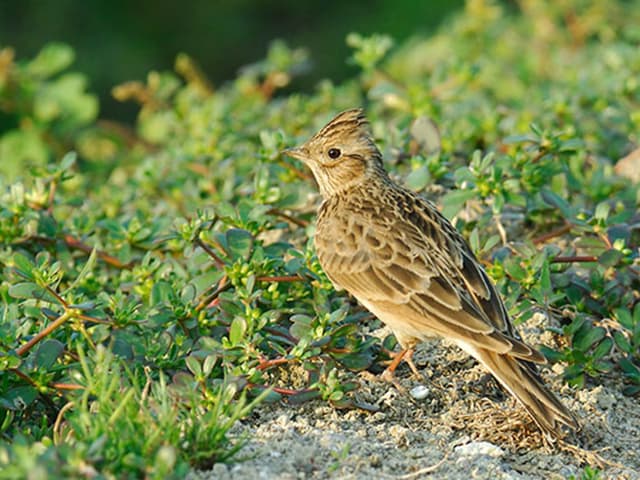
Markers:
(474, 449)
(419, 392)
(220, 470)
(605, 399)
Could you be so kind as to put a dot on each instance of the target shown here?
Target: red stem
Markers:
(575, 259)
(44, 333)
(105, 257)
(552, 234)
(219, 262)
(283, 278)
(264, 364)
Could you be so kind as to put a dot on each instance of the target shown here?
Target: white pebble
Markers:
(474, 449)
(419, 392)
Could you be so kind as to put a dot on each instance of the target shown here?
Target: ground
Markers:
(465, 427)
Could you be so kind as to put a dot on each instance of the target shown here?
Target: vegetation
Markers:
(156, 281)
(214, 33)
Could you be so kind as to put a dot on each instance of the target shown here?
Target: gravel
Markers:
(460, 426)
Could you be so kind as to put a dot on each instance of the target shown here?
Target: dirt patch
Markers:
(464, 427)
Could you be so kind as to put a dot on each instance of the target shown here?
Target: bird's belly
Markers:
(404, 331)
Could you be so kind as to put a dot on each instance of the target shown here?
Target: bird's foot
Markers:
(389, 374)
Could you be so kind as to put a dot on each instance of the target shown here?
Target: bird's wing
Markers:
(418, 264)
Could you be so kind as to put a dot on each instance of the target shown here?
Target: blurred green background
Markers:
(120, 40)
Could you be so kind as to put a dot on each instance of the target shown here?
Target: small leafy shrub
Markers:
(156, 283)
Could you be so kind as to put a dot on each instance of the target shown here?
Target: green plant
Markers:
(588, 474)
(168, 269)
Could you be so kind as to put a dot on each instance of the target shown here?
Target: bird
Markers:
(407, 264)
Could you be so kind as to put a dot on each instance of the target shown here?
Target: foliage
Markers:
(588, 474)
(156, 284)
(214, 33)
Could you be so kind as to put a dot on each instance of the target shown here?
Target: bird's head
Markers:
(342, 154)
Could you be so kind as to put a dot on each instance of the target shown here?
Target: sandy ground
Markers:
(465, 427)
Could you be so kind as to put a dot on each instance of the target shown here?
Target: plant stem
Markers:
(284, 278)
(219, 262)
(105, 257)
(67, 315)
(552, 234)
(575, 259)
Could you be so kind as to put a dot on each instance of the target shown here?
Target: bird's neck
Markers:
(376, 179)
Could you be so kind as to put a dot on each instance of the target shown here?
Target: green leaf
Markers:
(551, 198)
(602, 366)
(516, 271)
(208, 364)
(511, 139)
(622, 342)
(68, 161)
(161, 292)
(603, 348)
(491, 242)
(587, 337)
(631, 390)
(453, 201)
(474, 240)
(336, 396)
(23, 266)
(636, 315)
(202, 282)
(389, 342)
(631, 370)
(301, 325)
(86, 270)
(535, 128)
(237, 330)
(122, 348)
(338, 315)
(18, 398)
(193, 364)
(303, 396)
(20, 149)
(355, 361)
(369, 50)
(595, 245)
(602, 211)
(610, 258)
(623, 316)
(575, 325)
(239, 243)
(425, 132)
(27, 290)
(344, 331)
(550, 354)
(574, 374)
(571, 145)
(270, 396)
(324, 341)
(48, 352)
(419, 178)
(53, 58)
(66, 100)
(277, 250)
(545, 277)
(9, 360)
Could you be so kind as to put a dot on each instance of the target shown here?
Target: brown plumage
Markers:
(407, 264)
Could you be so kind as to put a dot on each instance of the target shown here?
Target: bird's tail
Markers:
(522, 380)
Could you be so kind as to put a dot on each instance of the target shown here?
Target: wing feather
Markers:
(421, 272)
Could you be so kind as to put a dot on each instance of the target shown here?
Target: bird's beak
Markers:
(297, 152)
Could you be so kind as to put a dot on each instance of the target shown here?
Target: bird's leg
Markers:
(408, 357)
(405, 354)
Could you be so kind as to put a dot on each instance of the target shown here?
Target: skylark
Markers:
(404, 261)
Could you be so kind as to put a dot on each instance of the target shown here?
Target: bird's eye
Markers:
(334, 153)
